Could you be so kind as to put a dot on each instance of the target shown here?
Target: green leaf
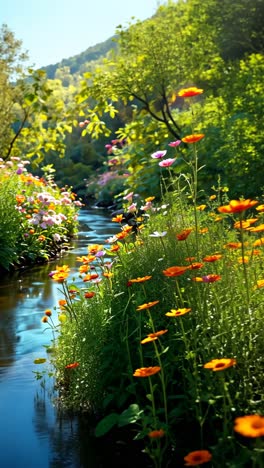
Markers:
(130, 415)
(106, 424)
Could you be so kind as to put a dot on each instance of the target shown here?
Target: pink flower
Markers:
(174, 144)
(159, 154)
(129, 196)
(167, 162)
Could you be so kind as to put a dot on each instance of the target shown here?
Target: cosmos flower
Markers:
(159, 154)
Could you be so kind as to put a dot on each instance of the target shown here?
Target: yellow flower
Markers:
(178, 312)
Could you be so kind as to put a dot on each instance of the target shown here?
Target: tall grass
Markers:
(169, 336)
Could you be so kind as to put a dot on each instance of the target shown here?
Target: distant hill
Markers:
(75, 63)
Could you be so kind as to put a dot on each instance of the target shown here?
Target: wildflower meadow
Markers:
(37, 217)
(159, 332)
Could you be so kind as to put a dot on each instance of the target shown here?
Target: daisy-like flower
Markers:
(147, 305)
(157, 434)
(72, 366)
(178, 312)
(175, 271)
(158, 234)
(140, 280)
(259, 242)
(174, 144)
(146, 371)
(184, 234)
(167, 162)
(190, 92)
(251, 425)
(118, 218)
(212, 258)
(198, 457)
(220, 364)
(193, 138)
(159, 154)
(237, 206)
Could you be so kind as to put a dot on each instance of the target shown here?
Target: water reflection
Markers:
(33, 434)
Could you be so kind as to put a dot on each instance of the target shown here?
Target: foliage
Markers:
(181, 351)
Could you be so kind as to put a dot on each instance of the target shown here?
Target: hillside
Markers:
(76, 62)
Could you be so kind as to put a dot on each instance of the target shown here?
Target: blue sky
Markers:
(51, 30)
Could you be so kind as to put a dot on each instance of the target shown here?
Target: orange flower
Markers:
(60, 277)
(259, 228)
(84, 268)
(90, 277)
(178, 312)
(157, 434)
(140, 280)
(190, 92)
(72, 366)
(175, 271)
(183, 234)
(20, 199)
(233, 245)
(114, 248)
(41, 238)
(146, 371)
(220, 364)
(197, 458)
(251, 425)
(48, 313)
(62, 302)
(147, 305)
(193, 138)
(44, 319)
(260, 284)
(259, 242)
(148, 339)
(203, 230)
(89, 294)
(236, 206)
(241, 224)
(158, 333)
(212, 258)
(118, 218)
(195, 266)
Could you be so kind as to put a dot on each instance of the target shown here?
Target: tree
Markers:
(34, 111)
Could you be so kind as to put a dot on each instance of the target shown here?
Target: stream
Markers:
(32, 433)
